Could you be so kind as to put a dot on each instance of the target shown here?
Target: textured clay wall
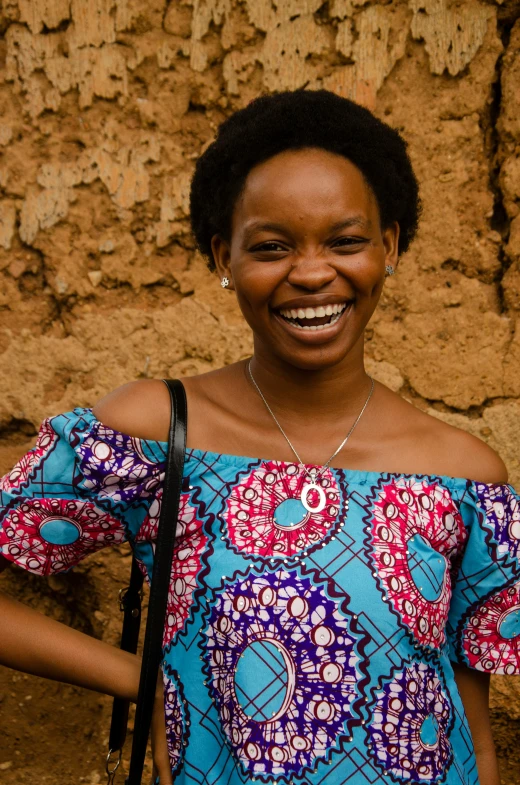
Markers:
(104, 106)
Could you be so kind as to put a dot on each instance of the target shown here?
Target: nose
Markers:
(311, 272)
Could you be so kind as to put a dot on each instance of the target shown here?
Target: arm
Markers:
(474, 691)
(29, 641)
(483, 463)
(32, 643)
(55, 485)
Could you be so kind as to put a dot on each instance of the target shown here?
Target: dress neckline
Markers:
(355, 476)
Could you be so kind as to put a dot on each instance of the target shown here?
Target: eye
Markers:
(271, 245)
(346, 242)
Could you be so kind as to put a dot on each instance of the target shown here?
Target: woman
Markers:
(338, 599)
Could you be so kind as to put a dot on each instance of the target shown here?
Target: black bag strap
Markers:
(152, 650)
(130, 604)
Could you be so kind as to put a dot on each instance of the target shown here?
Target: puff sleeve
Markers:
(81, 488)
(484, 619)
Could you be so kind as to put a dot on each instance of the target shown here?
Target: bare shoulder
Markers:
(477, 460)
(458, 453)
(140, 408)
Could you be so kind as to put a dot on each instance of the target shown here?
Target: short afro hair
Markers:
(294, 120)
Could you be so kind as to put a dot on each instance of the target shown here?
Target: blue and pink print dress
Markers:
(299, 647)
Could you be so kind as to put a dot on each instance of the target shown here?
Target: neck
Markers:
(324, 394)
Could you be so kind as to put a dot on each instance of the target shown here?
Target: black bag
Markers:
(130, 602)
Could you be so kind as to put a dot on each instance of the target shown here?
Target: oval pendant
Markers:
(321, 493)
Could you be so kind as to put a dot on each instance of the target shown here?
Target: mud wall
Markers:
(104, 106)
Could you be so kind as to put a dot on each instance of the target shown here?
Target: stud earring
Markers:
(389, 270)
(224, 282)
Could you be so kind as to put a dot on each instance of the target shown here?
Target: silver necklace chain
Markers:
(313, 475)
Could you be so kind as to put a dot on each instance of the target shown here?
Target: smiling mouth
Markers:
(307, 318)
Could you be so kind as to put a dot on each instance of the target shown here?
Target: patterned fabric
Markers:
(409, 733)
(306, 645)
(265, 515)
(416, 533)
(279, 715)
(190, 543)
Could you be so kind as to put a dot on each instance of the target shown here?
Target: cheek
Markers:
(257, 283)
(366, 275)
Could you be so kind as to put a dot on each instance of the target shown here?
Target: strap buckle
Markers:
(112, 766)
(123, 597)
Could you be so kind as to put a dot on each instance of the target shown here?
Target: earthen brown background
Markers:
(104, 107)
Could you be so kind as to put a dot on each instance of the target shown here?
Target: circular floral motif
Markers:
(410, 725)
(502, 508)
(491, 636)
(416, 530)
(118, 466)
(265, 515)
(176, 719)
(21, 472)
(190, 543)
(46, 536)
(282, 667)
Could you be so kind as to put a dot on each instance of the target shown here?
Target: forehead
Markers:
(309, 183)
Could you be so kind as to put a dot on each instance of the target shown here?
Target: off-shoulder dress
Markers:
(299, 647)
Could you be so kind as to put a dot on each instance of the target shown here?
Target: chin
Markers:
(319, 358)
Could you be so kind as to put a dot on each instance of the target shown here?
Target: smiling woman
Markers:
(346, 573)
(328, 245)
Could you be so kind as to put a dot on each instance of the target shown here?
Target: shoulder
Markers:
(140, 408)
(435, 446)
(461, 454)
(478, 460)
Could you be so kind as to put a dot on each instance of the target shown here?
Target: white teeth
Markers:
(312, 313)
(314, 327)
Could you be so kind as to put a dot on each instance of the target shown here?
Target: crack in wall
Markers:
(500, 221)
(16, 431)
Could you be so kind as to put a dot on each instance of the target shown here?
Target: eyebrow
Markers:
(269, 226)
(355, 220)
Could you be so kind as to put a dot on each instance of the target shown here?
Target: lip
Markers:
(315, 336)
(312, 302)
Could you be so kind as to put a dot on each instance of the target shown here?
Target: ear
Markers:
(221, 255)
(391, 244)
